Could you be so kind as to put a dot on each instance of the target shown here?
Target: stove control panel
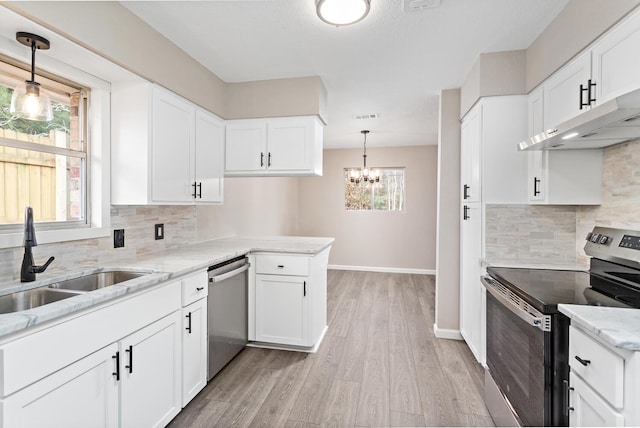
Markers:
(630, 241)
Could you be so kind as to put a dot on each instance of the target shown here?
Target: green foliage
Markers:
(386, 195)
(60, 122)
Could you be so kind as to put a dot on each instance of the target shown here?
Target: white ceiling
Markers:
(393, 63)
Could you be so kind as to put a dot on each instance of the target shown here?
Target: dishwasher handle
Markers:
(226, 275)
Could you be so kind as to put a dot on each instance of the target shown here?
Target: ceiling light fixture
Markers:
(27, 102)
(342, 12)
(359, 174)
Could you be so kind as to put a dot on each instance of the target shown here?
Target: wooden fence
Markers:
(27, 178)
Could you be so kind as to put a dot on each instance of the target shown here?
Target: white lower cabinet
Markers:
(119, 365)
(194, 349)
(150, 374)
(84, 394)
(589, 409)
(604, 382)
(288, 299)
(282, 310)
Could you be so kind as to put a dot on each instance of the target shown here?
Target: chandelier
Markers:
(359, 174)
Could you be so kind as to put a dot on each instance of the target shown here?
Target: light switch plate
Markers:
(159, 231)
(118, 238)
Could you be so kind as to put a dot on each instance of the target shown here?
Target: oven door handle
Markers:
(531, 316)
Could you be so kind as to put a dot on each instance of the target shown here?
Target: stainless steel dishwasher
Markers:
(227, 312)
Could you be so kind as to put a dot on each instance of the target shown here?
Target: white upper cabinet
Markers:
(616, 65)
(560, 177)
(276, 146)
(470, 141)
(566, 93)
(246, 146)
(209, 153)
(164, 149)
(171, 156)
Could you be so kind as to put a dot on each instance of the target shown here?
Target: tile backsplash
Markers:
(138, 223)
(555, 234)
(530, 234)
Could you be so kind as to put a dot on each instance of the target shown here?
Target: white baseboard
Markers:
(383, 269)
(445, 333)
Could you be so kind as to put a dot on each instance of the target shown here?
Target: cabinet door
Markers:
(290, 144)
(194, 349)
(616, 65)
(588, 409)
(84, 394)
(470, 285)
(470, 155)
(150, 388)
(535, 181)
(172, 152)
(246, 146)
(209, 157)
(282, 310)
(562, 94)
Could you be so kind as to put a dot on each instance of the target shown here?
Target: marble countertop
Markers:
(618, 327)
(162, 266)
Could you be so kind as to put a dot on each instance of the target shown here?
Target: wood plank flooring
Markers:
(379, 365)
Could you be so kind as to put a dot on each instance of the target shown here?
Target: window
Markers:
(385, 195)
(43, 164)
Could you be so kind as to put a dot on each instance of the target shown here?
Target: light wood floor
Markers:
(379, 365)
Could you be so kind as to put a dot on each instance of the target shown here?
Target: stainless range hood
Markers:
(613, 122)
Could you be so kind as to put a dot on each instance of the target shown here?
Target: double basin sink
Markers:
(23, 300)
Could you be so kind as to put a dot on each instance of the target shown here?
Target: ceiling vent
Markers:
(418, 5)
(366, 116)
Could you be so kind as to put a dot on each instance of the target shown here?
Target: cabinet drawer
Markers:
(194, 288)
(602, 369)
(282, 265)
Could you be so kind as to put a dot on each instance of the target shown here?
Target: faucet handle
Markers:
(40, 269)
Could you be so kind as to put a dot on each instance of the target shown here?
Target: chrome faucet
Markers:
(29, 270)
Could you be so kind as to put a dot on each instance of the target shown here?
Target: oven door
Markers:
(516, 354)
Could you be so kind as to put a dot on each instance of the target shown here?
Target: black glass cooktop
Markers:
(544, 289)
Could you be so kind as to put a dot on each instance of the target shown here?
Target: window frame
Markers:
(96, 76)
(10, 71)
(346, 172)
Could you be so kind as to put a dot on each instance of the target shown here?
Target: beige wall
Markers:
(278, 97)
(448, 222)
(493, 74)
(398, 240)
(252, 206)
(579, 23)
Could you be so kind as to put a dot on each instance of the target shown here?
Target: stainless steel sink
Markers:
(24, 300)
(98, 280)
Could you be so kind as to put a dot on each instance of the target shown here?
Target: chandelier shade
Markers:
(357, 175)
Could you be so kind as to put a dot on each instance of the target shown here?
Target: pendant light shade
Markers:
(342, 12)
(27, 101)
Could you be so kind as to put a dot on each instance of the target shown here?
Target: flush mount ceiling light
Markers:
(27, 102)
(342, 12)
(359, 174)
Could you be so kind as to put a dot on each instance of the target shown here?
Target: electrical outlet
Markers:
(159, 231)
(118, 238)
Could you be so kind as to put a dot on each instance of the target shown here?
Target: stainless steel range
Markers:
(526, 381)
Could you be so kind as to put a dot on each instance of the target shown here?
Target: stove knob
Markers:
(589, 235)
(604, 239)
(595, 237)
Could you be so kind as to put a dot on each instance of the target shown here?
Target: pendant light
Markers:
(342, 12)
(27, 101)
(359, 174)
